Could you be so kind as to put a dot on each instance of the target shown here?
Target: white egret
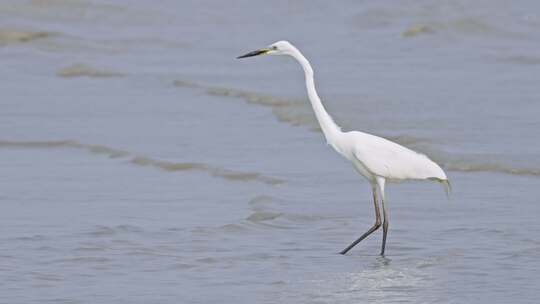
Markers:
(377, 159)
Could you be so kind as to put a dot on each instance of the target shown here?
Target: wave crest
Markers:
(145, 161)
(78, 70)
(10, 36)
(484, 163)
(297, 112)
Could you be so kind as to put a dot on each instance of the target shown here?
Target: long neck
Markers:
(330, 129)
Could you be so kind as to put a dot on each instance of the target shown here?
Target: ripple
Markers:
(262, 216)
(144, 161)
(10, 36)
(30, 238)
(83, 260)
(79, 70)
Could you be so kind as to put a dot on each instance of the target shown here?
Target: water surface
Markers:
(142, 163)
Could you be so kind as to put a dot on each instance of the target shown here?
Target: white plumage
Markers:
(376, 158)
(392, 161)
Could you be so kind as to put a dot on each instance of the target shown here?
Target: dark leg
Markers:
(375, 226)
(385, 226)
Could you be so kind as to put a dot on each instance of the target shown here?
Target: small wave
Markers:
(465, 166)
(233, 228)
(298, 112)
(10, 36)
(416, 30)
(83, 260)
(472, 25)
(483, 163)
(166, 165)
(265, 209)
(532, 252)
(468, 25)
(183, 266)
(79, 70)
(102, 231)
(261, 216)
(82, 12)
(31, 238)
(144, 161)
(36, 144)
(47, 277)
(186, 83)
(91, 248)
(214, 171)
(295, 112)
(260, 201)
(521, 60)
(96, 149)
(207, 260)
(263, 213)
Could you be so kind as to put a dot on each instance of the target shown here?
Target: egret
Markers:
(377, 159)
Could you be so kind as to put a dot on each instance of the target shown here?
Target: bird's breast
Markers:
(344, 151)
(360, 168)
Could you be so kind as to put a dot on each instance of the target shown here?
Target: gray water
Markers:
(142, 163)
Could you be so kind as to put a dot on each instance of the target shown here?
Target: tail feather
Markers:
(447, 187)
(446, 184)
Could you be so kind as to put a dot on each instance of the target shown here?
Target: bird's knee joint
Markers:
(377, 224)
(385, 225)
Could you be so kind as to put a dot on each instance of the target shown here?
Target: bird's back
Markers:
(390, 160)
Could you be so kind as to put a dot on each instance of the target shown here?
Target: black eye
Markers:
(274, 48)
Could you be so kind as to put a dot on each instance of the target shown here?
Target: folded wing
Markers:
(393, 161)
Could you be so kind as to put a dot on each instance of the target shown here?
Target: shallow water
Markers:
(143, 163)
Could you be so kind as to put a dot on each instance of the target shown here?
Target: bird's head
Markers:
(278, 48)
